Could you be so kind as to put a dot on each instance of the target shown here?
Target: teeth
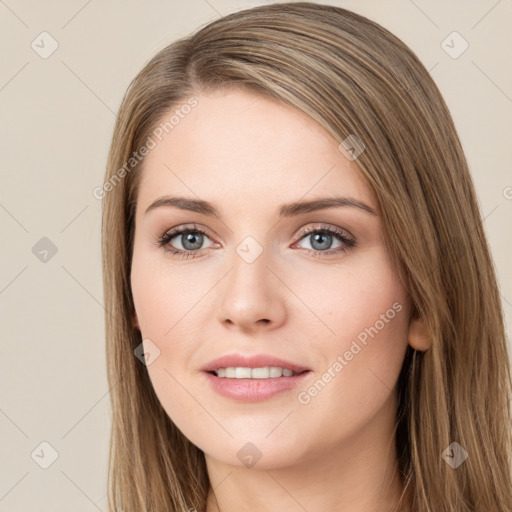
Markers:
(254, 373)
(242, 373)
(265, 373)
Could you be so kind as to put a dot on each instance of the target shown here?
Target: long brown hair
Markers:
(354, 78)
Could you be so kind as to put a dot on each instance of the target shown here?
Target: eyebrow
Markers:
(285, 210)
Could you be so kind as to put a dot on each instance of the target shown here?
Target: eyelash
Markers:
(165, 239)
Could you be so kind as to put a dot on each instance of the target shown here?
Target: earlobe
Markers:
(418, 337)
(135, 321)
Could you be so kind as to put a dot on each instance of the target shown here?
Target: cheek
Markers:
(351, 298)
(163, 296)
(167, 303)
(367, 311)
(165, 309)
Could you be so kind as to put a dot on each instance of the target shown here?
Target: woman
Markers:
(303, 312)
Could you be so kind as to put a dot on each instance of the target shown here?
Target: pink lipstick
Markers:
(252, 378)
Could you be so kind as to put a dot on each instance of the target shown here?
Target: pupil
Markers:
(189, 237)
(318, 237)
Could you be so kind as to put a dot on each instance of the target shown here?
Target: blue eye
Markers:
(191, 240)
(321, 239)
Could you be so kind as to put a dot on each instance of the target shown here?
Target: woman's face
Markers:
(268, 281)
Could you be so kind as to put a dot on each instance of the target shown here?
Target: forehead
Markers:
(238, 146)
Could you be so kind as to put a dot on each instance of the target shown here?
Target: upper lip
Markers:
(251, 361)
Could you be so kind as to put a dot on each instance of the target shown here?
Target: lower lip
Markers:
(254, 390)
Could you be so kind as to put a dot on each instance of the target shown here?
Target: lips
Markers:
(253, 389)
(252, 361)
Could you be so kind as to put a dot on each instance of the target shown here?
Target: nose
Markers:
(252, 295)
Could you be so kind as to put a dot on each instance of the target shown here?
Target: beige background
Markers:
(57, 118)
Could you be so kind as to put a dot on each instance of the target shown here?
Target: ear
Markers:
(135, 321)
(418, 338)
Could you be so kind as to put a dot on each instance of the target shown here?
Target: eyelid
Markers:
(302, 231)
(344, 236)
(182, 229)
(192, 226)
(326, 227)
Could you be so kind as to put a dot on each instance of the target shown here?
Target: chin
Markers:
(255, 452)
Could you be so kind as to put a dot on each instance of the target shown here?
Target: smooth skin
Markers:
(248, 155)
